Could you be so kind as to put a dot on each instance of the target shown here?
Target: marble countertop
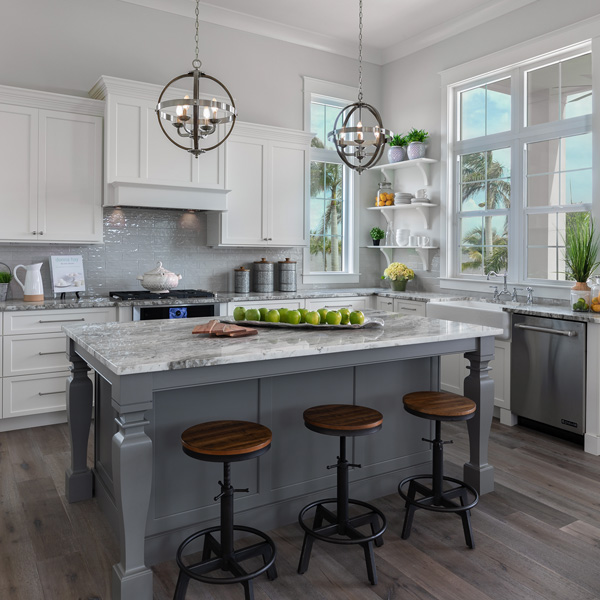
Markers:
(161, 345)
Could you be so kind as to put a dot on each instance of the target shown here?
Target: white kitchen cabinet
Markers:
(33, 394)
(384, 303)
(291, 304)
(351, 302)
(267, 171)
(409, 307)
(50, 168)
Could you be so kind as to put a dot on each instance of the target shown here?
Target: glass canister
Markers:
(263, 275)
(242, 280)
(595, 303)
(385, 195)
(580, 297)
(287, 275)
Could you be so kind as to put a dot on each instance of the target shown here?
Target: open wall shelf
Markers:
(422, 164)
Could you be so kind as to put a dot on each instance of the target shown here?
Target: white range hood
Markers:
(142, 168)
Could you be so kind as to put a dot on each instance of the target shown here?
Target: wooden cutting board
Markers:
(215, 328)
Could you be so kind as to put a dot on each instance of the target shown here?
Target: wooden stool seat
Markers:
(439, 406)
(343, 419)
(226, 440)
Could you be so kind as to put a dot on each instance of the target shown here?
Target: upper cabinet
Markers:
(142, 167)
(267, 170)
(50, 167)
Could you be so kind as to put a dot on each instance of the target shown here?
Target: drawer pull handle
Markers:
(46, 353)
(406, 308)
(50, 393)
(59, 320)
(566, 333)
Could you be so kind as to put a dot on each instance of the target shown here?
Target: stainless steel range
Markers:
(178, 310)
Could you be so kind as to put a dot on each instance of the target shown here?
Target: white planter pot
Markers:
(416, 150)
(396, 154)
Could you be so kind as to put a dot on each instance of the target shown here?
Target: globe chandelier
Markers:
(359, 146)
(196, 118)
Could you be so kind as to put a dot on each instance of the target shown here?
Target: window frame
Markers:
(517, 138)
(337, 95)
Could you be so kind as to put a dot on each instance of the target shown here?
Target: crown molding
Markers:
(51, 101)
(278, 134)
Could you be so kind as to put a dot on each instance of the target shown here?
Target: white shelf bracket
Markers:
(424, 168)
(424, 256)
(387, 252)
(424, 211)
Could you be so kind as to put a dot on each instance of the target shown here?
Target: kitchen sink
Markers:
(477, 312)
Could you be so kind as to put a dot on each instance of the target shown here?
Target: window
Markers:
(331, 255)
(520, 143)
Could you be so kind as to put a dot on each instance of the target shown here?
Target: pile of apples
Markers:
(323, 316)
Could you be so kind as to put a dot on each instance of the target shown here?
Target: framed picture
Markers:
(67, 274)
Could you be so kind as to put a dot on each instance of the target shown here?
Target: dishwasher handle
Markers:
(566, 333)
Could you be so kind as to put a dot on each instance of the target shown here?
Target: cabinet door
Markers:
(287, 195)
(291, 304)
(385, 304)
(409, 307)
(70, 181)
(244, 223)
(18, 172)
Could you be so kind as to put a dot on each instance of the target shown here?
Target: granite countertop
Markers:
(161, 345)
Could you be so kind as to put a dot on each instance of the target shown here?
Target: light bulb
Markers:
(214, 108)
(206, 113)
(185, 106)
(359, 137)
(179, 110)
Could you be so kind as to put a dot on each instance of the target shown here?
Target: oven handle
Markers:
(566, 333)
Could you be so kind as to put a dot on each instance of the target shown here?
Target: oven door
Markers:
(147, 313)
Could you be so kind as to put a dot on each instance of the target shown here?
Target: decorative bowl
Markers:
(159, 280)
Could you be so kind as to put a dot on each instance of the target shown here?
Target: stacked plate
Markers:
(402, 198)
(418, 200)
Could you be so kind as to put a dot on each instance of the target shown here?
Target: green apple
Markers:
(273, 316)
(239, 313)
(253, 314)
(323, 314)
(283, 314)
(293, 317)
(303, 312)
(263, 313)
(313, 317)
(356, 317)
(345, 312)
(334, 317)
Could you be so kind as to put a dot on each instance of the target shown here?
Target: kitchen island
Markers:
(155, 378)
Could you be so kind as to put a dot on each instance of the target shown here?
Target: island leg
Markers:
(78, 477)
(132, 477)
(479, 387)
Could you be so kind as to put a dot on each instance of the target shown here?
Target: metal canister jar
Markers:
(287, 275)
(263, 275)
(242, 280)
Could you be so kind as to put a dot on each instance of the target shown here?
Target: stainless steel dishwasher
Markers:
(548, 371)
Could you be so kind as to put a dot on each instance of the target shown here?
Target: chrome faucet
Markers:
(504, 291)
(529, 295)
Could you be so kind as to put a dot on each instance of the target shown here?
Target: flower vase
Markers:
(396, 154)
(399, 285)
(580, 297)
(416, 150)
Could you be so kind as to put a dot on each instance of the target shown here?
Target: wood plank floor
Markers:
(537, 536)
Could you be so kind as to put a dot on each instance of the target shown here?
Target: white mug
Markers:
(424, 240)
(413, 240)
(421, 193)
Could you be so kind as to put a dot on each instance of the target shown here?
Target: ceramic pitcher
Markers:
(33, 289)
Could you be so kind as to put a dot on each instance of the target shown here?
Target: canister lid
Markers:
(287, 261)
(262, 261)
(241, 269)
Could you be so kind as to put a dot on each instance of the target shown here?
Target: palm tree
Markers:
(497, 260)
(327, 176)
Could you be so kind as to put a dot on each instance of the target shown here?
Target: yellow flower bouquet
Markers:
(399, 274)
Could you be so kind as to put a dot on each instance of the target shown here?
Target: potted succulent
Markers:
(5, 279)
(377, 235)
(399, 275)
(416, 143)
(581, 250)
(397, 151)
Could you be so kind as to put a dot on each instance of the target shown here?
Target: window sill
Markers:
(331, 278)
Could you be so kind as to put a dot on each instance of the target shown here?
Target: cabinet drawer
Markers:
(409, 307)
(33, 394)
(291, 304)
(34, 354)
(51, 321)
(351, 302)
(385, 304)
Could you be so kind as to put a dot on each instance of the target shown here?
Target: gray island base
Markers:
(155, 379)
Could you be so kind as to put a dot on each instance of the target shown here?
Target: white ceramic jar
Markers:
(159, 280)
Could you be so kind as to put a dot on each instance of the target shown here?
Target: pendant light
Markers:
(359, 146)
(196, 118)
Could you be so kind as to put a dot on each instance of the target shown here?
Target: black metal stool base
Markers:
(342, 527)
(439, 501)
(228, 562)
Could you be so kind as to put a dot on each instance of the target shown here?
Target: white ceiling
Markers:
(392, 28)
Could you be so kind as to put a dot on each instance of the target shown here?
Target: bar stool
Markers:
(342, 420)
(439, 406)
(226, 442)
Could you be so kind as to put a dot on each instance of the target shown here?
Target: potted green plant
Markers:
(377, 235)
(581, 252)
(416, 143)
(397, 150)
(399, 275)
(5, 279)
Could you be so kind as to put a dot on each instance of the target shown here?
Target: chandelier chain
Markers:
(360, 38)
(196, 62)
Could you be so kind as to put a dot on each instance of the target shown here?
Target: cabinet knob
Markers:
(270, 239)
(33, 232)
(40, 233)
